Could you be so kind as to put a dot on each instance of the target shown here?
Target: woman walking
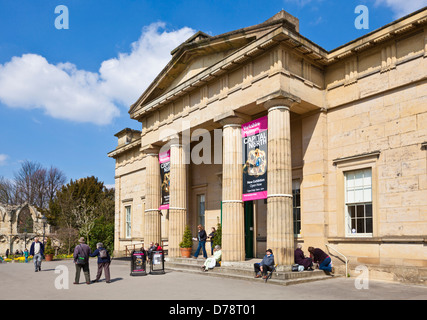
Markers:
(103, 262)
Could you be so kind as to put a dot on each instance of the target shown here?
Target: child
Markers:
(26, 255)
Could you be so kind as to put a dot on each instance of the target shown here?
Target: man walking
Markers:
(81, 260)
(202, 242)
(37, 251)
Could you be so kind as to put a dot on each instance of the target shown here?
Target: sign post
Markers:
(138, 263)
(157, 263)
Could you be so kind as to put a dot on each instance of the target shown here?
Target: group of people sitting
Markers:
(317, 256)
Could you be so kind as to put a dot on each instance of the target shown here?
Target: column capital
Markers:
(279, 98)
(150, 150)
(232, 118)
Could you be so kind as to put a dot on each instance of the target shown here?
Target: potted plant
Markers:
(186, 243)
(218, 235)
(48, 251)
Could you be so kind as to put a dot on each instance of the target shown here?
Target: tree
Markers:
(7, 191)
(103, 231)
(27, 182)
(55, 179)
(36, 185)
(82, 205)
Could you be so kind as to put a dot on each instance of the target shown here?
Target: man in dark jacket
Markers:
(103, 262)
(82, 252)
(202, 237)
(267, 264)
(37, 251)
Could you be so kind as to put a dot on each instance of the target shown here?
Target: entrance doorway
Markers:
(249, 229)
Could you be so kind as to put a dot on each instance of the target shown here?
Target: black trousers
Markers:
(85, 268)
(265, 268)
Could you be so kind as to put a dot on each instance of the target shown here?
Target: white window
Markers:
(201, 209)
(128, 221)
(358, 202)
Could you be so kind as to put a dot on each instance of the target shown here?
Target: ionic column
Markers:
(177, 199)
(233, 214)
(280, 234)
(152, 226)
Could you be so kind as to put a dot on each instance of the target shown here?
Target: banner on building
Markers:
(164, 160)
(254, 136)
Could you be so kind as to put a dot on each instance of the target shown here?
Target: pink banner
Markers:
(254, 142)
(253, 127)
(164, 160)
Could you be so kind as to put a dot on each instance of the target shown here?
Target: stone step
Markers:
(244, 271)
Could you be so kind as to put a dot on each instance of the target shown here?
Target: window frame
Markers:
(296, 207)
(128, 222)
(356, 162)
(358, 204)
(201, 217)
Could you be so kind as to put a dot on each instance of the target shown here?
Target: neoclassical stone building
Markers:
(19, 224)
(345, 166)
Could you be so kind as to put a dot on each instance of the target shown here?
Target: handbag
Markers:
(81, 258)
(295, 267)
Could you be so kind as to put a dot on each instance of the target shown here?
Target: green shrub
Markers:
(49, 248)
(187, 241)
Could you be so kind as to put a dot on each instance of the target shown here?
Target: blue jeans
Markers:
(37, 261)
(325, 265)
(202, 245)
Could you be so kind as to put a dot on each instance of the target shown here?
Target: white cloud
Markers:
(65, 92)
(61, 90)
(402, 8)
(126, 76)
(3, 158)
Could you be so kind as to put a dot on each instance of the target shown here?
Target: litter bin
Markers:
(157, 262)
(138, 263)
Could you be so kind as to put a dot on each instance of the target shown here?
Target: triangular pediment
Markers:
(202, 51)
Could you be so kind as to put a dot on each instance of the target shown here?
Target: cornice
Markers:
(294, 41)
(122, 149)
(233, 61)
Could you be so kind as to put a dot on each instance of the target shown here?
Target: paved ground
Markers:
(19, 281)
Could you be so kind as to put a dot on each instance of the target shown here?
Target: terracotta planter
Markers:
(49, 257)
(185, 252)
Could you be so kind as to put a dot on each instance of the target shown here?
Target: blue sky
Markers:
(64, 93)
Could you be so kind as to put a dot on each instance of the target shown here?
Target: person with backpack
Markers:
(81, 260)
(103, 262)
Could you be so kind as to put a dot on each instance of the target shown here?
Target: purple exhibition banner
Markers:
(254, 141)
(164, 160)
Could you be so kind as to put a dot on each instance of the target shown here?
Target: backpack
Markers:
(103, 254)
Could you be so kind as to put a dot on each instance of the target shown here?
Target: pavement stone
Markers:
(20, 282)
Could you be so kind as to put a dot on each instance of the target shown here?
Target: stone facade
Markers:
(347, 133)
(19, 225)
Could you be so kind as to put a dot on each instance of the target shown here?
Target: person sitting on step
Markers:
(267, 264)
